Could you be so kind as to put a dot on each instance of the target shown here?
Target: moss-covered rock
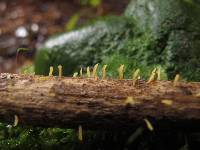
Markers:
(150, 33)
(175, 26)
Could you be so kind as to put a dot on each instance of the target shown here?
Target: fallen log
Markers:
(96, 103)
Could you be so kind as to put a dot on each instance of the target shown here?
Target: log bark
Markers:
(96, 103)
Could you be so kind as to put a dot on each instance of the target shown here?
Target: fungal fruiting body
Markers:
(149, 125)
(43, 78)
(81, 72)
(94, 73)
(198, 95)
(60, 71)
(80, 133)
(167, 102)
(129, 101)
(88, 72)
(51, 71)
(75, 74)
(153, 76)
(135, 76)
(176, 79)
(16, 121)
(159, 74)
(121, 72)
(104, 71)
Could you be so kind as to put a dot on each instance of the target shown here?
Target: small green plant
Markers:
(71, 24)
(93, 3)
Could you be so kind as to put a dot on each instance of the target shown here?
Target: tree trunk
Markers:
(95, 103)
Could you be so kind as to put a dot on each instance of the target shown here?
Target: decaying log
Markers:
(96, 103)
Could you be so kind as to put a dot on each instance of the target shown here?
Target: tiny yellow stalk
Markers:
(104, 72)
(121, 72)
(80, 133)
(149, 125)
(60, 71)
(88, 72)
(51, 71)
(167, 102)
(94, 73)
(135, 76)
(75, 74)
(198, 95)
(81, 72)
(159, 73)
(16, 121)
(129, 101)
(176, 79)
(153, 75)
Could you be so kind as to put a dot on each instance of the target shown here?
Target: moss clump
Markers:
(174, 25)
(86, 46)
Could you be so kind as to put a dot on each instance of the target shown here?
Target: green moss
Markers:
(131, 65)
(84, 47)
(151, 32)
(174, 25)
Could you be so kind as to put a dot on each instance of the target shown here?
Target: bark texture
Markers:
(95, 103)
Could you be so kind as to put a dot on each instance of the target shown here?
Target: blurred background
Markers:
(28, 23)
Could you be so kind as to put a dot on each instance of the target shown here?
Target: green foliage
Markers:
(29, 69)
(93, 3)
(152, 33)
(36, 138)
(94, 42)
(174, 26)
(22, 49)
(131, 66)
(71, 24)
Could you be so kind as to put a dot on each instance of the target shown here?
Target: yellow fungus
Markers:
(52, 94)
(94, 73)
(198, 95)
(176, 79)
(121, 72)
(51, 71)
(159, 74)
(75, 74)
(88, 72)
(104, 72)
(129, 101)
(136, 76)
(153, 75)
(60, 71)
(167, 102)
(42, 78)
(149, 125)
(81, 72)
(16, 121)
(80, 133)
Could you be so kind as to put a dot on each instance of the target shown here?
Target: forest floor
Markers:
(28, 23)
